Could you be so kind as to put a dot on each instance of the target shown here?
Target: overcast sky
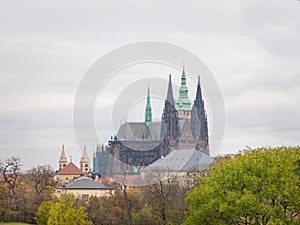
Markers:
(251, 47)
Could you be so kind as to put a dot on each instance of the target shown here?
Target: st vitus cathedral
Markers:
(138, 144)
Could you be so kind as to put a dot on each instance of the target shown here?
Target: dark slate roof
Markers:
(181, 161)
(134, 131)
(85, 183)
(70, 169)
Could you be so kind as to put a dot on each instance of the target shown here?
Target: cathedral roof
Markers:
(70, 169)
(184, 160)
(135, 131)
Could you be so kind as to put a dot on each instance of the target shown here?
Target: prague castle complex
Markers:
(183, 126)
(138, 144)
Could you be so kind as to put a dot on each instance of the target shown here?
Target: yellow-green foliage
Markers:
(63, 212)
(257, 187)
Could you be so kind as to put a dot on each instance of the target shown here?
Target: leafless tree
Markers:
(160, 190)
(42, 179)
(10, 169)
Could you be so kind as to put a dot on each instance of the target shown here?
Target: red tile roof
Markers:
(70, 169)
(108, 181)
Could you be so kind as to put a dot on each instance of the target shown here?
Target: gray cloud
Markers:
(275, 24)
(46, 47)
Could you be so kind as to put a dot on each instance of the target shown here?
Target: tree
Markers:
(36, 186)
(10, 192)
(42, 180)
(257, 187)
(297, 170)
(63, 212)
(42, 214)
(22, 193)
(165, 197)
(10, 169)
(104, 210)
(127, 203)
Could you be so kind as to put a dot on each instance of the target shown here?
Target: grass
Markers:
(14, 223)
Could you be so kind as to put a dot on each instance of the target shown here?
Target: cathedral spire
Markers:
(183, 76)
(183, 103)
(148, 114)
(199, 122)
(198, 93)
(170, 97)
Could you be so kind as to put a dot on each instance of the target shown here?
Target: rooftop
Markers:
(135, 131)
(70, 169)
(183, 160)
(85, 183)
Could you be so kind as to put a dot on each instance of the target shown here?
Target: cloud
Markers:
(251, 47)
(275, 24)
(271, 109)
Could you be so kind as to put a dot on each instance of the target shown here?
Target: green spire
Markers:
(148, 114)
(183, 103)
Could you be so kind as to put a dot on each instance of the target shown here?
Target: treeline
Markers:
(22, 193)
(160, 203)
(29, 197)
(260, 186)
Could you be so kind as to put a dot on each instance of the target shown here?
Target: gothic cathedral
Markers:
(138, 144)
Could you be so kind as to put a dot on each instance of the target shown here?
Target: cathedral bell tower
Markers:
(183, 103)
(169, 126)
(199, 122)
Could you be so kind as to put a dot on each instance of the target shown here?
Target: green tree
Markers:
(42, 214)
(257, 187)
(63, 212)
(297, 170)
